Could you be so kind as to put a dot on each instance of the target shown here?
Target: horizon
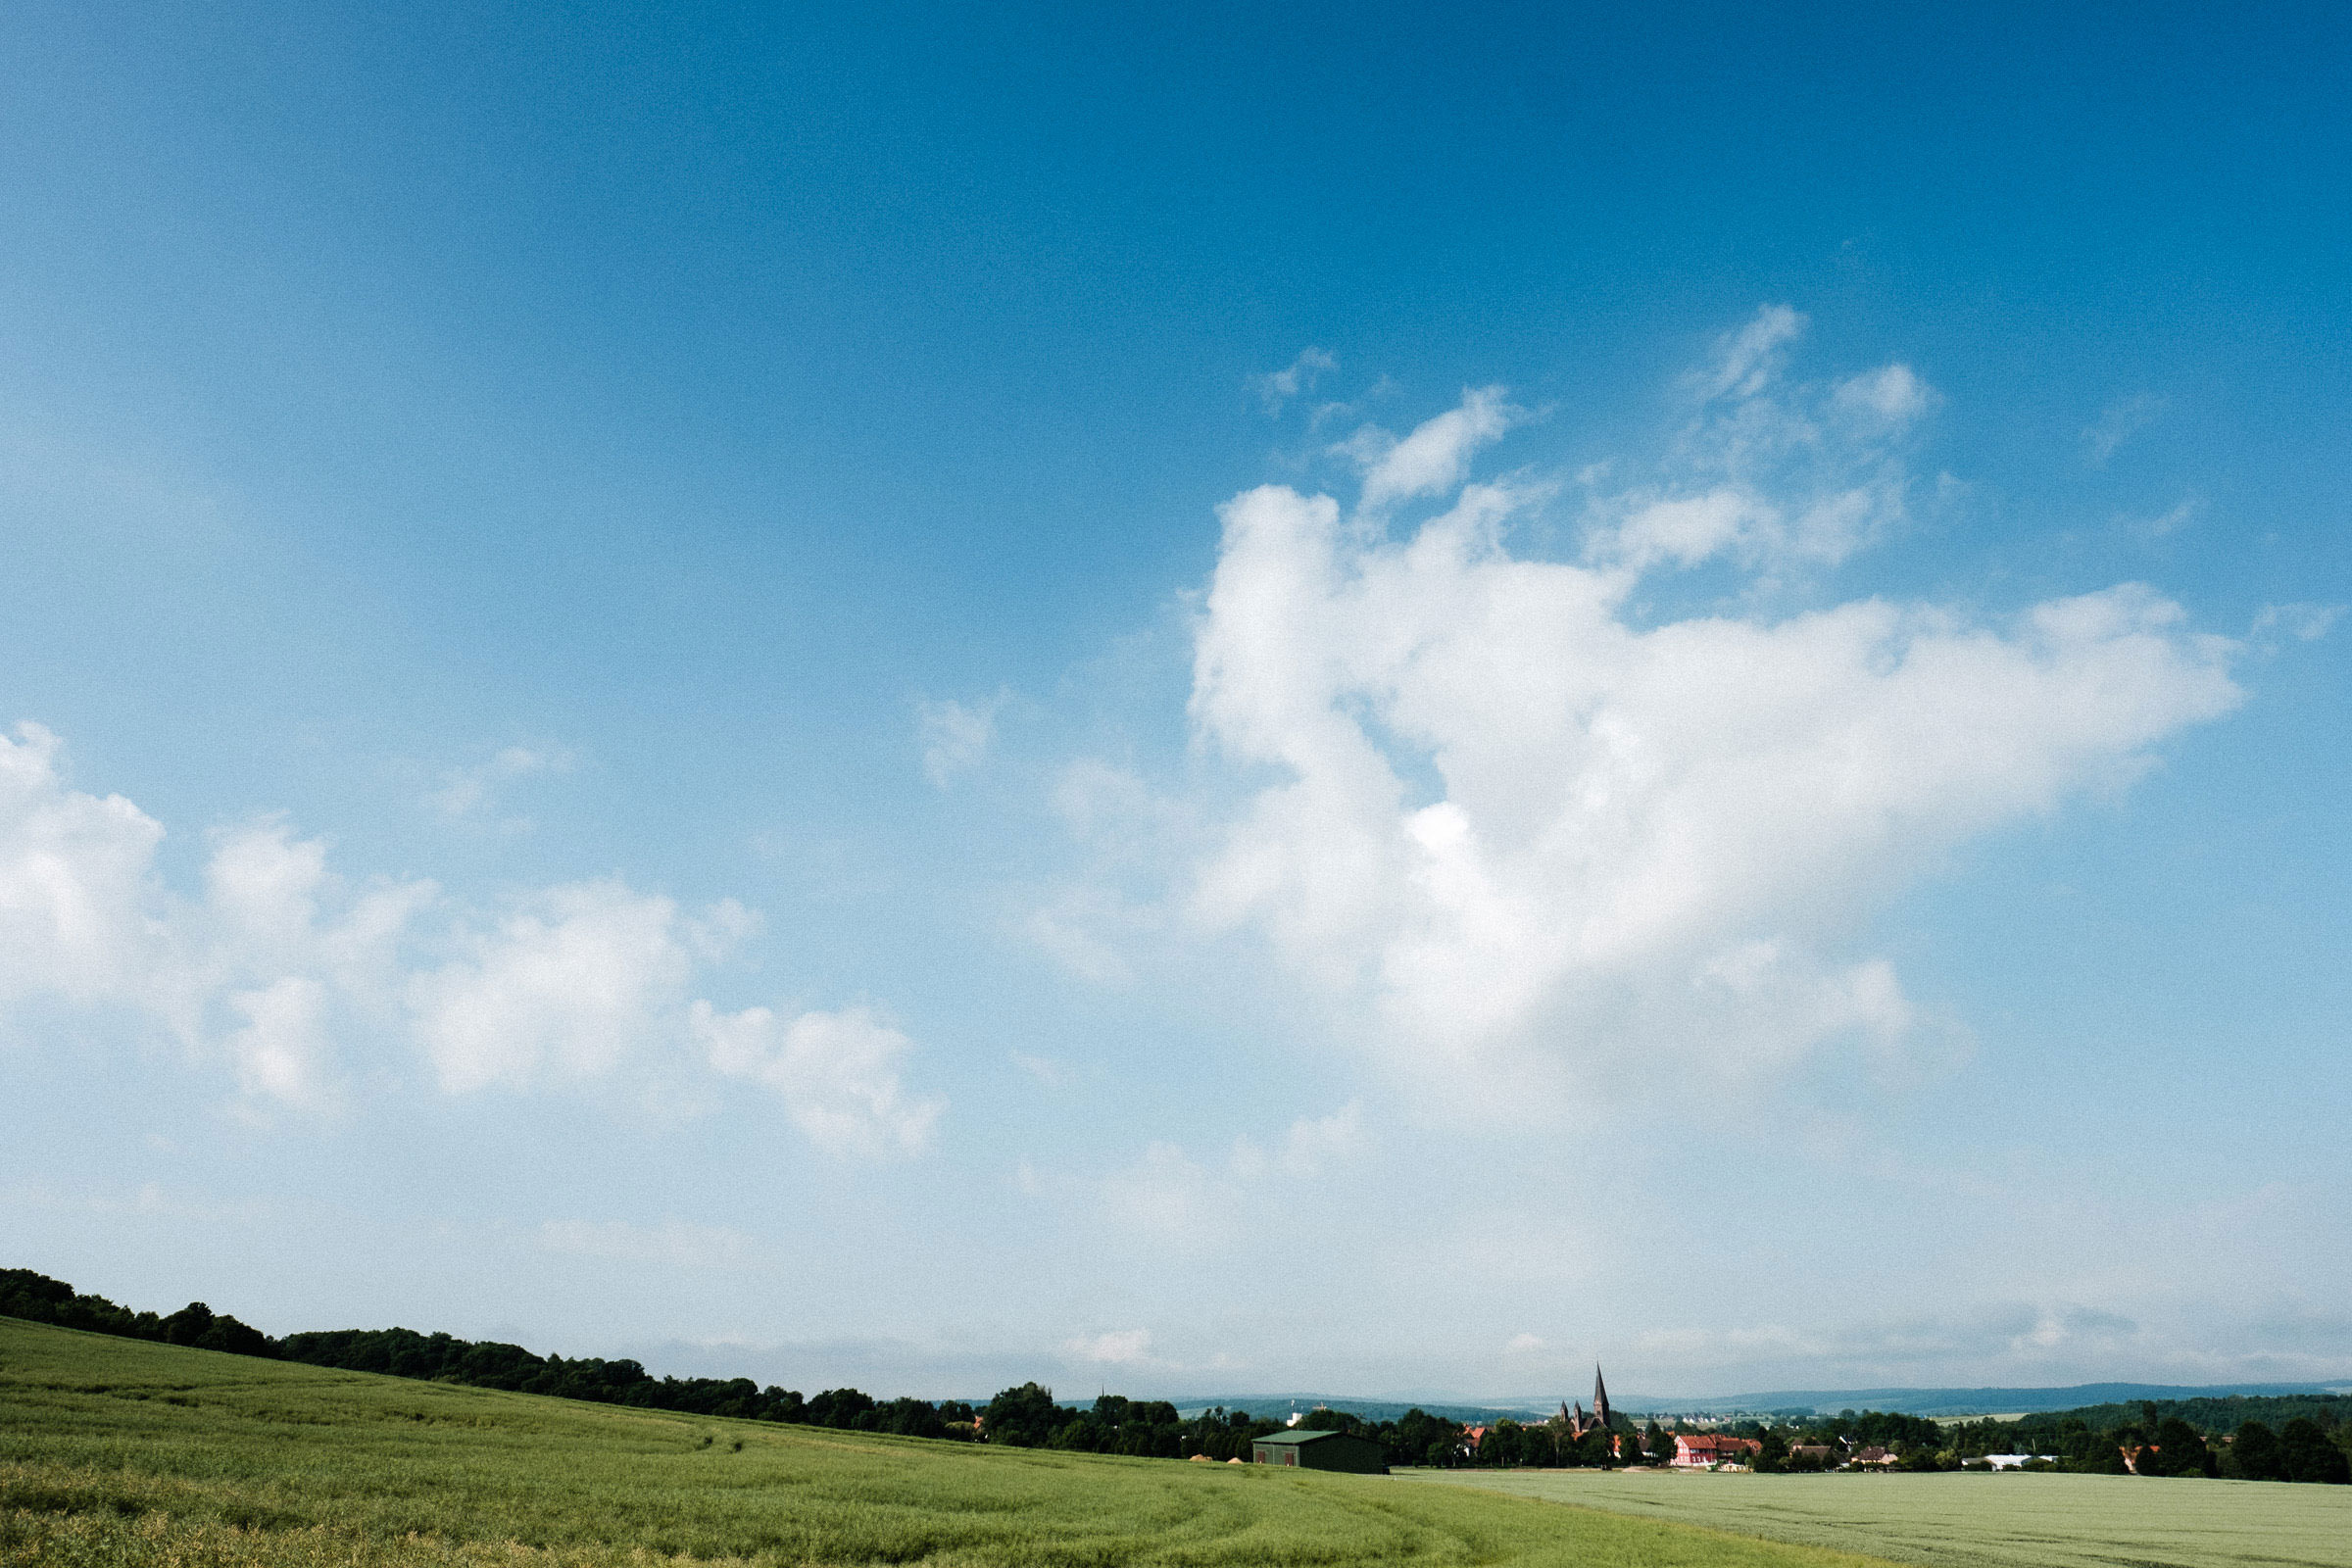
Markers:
(939, 696)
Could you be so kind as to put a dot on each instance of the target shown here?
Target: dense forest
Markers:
(2301, 1438)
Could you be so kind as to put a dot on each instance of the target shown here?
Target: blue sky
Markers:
(927, 697)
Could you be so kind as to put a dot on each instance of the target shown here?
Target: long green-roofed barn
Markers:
(1321, 1450)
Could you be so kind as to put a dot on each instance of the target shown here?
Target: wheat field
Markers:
(116, 1452)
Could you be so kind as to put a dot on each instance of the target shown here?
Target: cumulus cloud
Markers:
(283, 973)
(565, 987)
(1535, 837)
(77, 913)
(254, 974)
(1891, 395)
(837, 1074)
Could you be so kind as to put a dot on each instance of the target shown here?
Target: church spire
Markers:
(1600, 1398)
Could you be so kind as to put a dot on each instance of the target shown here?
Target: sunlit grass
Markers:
(2013, 1520)
(116, 1451)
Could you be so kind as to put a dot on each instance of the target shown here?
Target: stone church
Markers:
(1577, 1421)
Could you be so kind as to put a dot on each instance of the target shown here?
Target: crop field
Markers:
(116, 1452)
(2010, 1520)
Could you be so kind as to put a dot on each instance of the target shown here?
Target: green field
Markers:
(121, 1451)
(1976, 1521)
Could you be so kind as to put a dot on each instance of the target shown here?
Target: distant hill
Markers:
(1967, 1402)
(1938, 1402)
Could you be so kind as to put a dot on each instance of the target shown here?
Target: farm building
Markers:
(1321, 1450)
(1696, 1450)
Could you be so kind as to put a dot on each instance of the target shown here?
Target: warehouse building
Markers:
(1321, 1450)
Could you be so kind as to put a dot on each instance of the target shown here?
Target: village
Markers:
(1324, 1439)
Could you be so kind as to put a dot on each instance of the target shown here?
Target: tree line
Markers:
(2223, 1438)
(2202, 1437)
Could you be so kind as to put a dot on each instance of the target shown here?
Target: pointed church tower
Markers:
(1600, 1398)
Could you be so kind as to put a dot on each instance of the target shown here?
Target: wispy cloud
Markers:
(2302, 621)
(955, 736)
(1175, 1200)
(2117, 423)
(1434, 458)
(672, 1244)
(1118, 1348)
(1772, 473)
(1275, 388)
(2167, 522)
(472, 793)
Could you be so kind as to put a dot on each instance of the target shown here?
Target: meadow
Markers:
(121, 1451)
(2010, 1520)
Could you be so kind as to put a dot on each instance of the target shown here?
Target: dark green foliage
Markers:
(39, 1298)
(1025, 1417)
(2306, 1454)
(2180, 1450)
(1660, 1444)
(1419, 1437)
(2255, 1454)
(2209, 1415)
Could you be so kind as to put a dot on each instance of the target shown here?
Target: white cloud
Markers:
(1538, 843)
(472, 792)
(1306, 1148)
(1275, 388)
(2117, 423)
(566, 986)
(956, 736)
(255, 973)
(78, 904)
(1893, 395)
(1769, 472)
(1747, 360)
(836, 1072)
(280, 970)
(1433, 460)
(2169, 522)
(1522, 1345)
(279, 1051)
(2304, 623)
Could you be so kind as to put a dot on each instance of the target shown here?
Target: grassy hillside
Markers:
(118, 1452)
(1978, 1521)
